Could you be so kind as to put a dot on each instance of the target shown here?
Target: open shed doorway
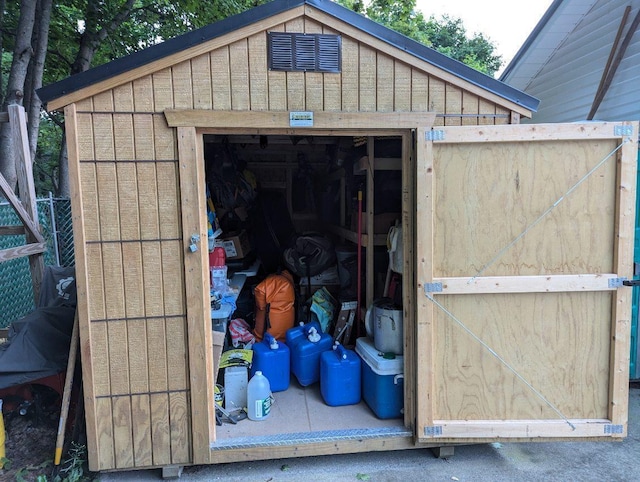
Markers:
(276, 186)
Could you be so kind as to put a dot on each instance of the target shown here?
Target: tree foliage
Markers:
(446, 35)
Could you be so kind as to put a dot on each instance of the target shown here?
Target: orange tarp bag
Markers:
(275, 306)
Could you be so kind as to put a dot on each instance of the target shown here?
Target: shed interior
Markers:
(276, 187)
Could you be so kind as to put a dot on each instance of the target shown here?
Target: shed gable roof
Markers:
(68, 90)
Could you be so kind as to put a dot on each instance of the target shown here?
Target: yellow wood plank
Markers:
(134, 296)
(123, 98)
(401, 87)
(623, 264)
(367, 91)
(469, 107)
(177, 353)
(173, 278)
(201, 80)
(162, 90)
(277, 83)
(88, 183)
(408, 277)
(103, 101)
(281, 120)
(84, 134)
(531, 132)
(106, 454)
(538, 429)
(143, 135)
(164, 139)
(193, 341)
(362, 445)
(112, 268)
(528, 284)
(181, 79)
(419, 91)
(109, 217)
(486, 107)
(128, 202)
(100, 357)
(258, 89)
(152, 269)
(180, 425)
(239, 67)
(453, 105)
(437, 98)
(157, 347)
(148, 201)
(123, 431)
(350, 75)
(160, 432)
(84, 105)
(296, 91)
(141, 436)
(143, 94)
(123, 136)
(169, 215)
(103, 137)
(425, 333)
(385, 83)
(221, 78)
(82, 281)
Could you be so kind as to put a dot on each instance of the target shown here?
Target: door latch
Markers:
(631, 282)
(195, 239)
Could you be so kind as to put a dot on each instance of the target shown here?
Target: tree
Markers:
(447, 35)
(22, 53)
(82, 34)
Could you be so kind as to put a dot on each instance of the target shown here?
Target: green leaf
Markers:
(5, 463)
(284, 467)
(363, 476)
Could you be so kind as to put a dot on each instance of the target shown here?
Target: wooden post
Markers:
(24, 168)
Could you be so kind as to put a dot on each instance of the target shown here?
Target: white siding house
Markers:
(563, 60)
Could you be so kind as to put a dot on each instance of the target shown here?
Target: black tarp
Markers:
(38, 343)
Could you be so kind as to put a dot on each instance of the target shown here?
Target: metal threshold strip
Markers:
(310, 437)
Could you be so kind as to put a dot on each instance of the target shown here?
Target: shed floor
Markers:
(302, 410)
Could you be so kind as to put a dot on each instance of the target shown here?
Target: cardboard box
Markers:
(236, 244)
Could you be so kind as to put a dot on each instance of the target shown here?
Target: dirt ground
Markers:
(30, 442)
(29, 447)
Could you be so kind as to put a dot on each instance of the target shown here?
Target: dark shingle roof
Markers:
(217, 29)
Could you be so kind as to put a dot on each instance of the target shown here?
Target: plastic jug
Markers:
(258, 397)
(272, 358)
(218, 267)
(299, 332)
(305, 355)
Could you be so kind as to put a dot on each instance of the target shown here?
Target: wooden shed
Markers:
(516, 239)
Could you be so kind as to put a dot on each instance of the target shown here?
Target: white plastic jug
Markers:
(258, 397)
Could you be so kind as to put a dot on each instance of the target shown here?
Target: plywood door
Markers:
(523, 235)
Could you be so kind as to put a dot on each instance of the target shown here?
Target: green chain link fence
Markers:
(16, 298)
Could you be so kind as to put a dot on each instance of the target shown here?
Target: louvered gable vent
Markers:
(304, 52)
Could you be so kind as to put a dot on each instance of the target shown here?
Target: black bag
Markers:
(311, 254)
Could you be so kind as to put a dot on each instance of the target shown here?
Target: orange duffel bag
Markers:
(275, 306)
